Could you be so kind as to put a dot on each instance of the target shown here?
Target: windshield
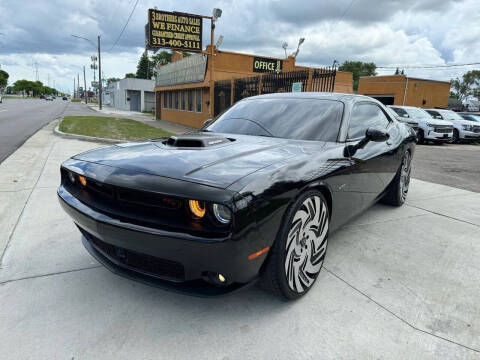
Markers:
(301, 119)
(450, 115)
(418, 113)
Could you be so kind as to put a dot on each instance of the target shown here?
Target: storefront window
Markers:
(190, 100)
(169, 99)
(198, 100)
(182, 102)
(175, 99)
(165, 102)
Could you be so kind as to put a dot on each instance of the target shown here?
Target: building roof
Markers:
(404, 76)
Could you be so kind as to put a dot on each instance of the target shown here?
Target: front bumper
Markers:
(469, 135)
(432, 135)
(169, 260)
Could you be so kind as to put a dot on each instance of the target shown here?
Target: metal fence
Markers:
(321, 79)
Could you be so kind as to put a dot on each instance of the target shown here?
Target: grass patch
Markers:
(110, 127)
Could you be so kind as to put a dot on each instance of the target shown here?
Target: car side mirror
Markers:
(371, 134)
(207, 122)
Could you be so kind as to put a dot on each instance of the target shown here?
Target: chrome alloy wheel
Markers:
(306, 244)
(405, 175)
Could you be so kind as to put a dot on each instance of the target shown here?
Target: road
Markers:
(21, 118)
(456, 165)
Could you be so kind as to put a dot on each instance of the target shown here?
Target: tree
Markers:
(358, 68)
(112, 80)
(144, 67)
(130, 76)
(3, 79)
(397, 71)
(468, 85)
(161, 58)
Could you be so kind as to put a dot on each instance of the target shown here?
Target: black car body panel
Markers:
(256, 177)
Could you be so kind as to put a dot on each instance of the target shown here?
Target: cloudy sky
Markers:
(388, 32)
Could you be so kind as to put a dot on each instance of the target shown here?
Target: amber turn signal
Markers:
(258, 253)
(82, 180)
(197, 208)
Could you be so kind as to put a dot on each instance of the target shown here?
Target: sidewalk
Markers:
(398, 283)
(146, 118)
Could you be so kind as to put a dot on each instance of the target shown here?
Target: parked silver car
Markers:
(464, 130)
(429, 129)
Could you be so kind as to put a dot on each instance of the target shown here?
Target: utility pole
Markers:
(85, 84)
(78, 87)
(99, 77)
(74, 92)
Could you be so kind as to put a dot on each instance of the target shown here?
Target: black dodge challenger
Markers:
(252, 195)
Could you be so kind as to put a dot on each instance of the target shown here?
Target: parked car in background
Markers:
(429, 129)
(410, 122)
(471, 117)
(253, 194)
(48, 98)
(64, 98)
(42, 96)
(464, 130)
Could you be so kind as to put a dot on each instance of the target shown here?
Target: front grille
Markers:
(144, 208)
(133, 260)
(443, 129)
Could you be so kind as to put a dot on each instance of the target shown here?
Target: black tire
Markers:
(421, 137)
(397, 191)
(309, 218)
(456, 137)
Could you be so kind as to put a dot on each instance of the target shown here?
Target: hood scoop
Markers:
(196, 141)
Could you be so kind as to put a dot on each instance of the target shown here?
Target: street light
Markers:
(216, 14)
(300, 42)
(285, 46)
(99, 66)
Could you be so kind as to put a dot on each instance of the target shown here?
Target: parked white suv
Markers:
(465, 130)
(429, 129)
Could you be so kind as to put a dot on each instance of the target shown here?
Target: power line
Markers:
(124, 27)
(341, 17)
(427, 66)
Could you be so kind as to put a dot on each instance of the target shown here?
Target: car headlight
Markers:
(222, 213)
(467, 127)
(431, 125)
(197, 208)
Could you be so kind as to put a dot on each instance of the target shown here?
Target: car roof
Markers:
(313, 95)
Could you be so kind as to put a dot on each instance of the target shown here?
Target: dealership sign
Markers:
(266, 65)
(174, 31)
(189, 69)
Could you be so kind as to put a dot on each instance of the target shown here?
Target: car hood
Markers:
(218, 165)
(434, 121)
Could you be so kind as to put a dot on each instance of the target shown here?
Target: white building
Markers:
(131, 94)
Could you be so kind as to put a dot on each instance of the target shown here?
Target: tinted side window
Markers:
(364, 116)
(435, 115)
(401, 112)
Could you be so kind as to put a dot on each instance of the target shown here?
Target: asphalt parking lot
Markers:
(456, 165)
(398, 283)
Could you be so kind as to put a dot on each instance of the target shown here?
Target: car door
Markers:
(374, 166)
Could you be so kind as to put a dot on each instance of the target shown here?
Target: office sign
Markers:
(174, 30)
(266, 65)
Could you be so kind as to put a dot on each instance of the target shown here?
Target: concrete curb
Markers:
(57, 132)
